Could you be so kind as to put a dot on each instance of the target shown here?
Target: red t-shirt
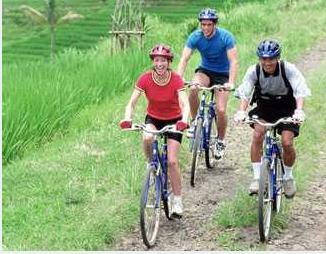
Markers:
(163, 101)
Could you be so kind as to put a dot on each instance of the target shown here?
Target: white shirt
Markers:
(273, 84)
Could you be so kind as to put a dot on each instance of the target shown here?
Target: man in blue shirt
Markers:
(219, 65)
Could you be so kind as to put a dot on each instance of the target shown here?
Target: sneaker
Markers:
(289, 188)
(254, 186)
(177, 207)
(219, 150)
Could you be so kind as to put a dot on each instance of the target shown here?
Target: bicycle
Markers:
(156, 189)
(205, 131)
(271, 176)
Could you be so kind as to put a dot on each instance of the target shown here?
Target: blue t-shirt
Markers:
(213, 51)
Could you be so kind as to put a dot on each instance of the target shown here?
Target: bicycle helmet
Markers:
(268, 48)
(161, 50)
(208, 14)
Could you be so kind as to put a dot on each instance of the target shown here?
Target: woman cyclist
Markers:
(167, 104)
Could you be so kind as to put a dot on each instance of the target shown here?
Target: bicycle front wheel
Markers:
(279, 186)
(265, 202)
(196, 150)
(166, 197)
(212, 136)
(150, 208)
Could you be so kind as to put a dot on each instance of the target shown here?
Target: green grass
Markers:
(23, 40)
(81, 191)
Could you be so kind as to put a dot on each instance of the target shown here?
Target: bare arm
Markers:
(233, 58)
(299, 101)
(132, 104)
(184, 60)
(184, 104)
(243, 105)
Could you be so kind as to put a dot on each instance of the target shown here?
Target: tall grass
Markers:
(40, 99)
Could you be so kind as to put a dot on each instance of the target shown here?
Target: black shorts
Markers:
(273, 114)
(159, 124)
(215, 78)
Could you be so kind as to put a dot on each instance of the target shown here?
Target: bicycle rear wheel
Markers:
(265, 202)
(209, 150)
(196, 150)
(150, 208)
(279, 186)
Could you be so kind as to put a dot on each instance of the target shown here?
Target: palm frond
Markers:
(70, 16)
(33, 14)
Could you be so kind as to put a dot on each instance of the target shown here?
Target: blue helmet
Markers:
(209, 14)
(269, 48)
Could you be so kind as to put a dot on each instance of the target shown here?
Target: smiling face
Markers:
(208, 27)
(161, 64)
(269, 64)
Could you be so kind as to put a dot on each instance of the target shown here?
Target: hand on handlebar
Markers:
(240, 116)
(298, 116)
(181, 126)
(125, 124)
(229, 86)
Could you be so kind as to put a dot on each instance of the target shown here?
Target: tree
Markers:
(49, 19)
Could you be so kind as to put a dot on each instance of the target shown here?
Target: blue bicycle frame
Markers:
(159, 163)
(272, 152)
(206, 120)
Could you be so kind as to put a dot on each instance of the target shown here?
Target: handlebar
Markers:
(281, 120)
(219, 87)
(142, 127)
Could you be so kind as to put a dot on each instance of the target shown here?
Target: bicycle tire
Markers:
(264, 202)
(166, 205)
(196, 150)
(209, 151)
(279, 186)
(149, 212)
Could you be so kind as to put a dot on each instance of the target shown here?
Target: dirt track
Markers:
(307, 224)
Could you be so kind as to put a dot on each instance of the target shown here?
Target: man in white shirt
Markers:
(280, 89)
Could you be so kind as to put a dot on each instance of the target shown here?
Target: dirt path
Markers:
(307, 224)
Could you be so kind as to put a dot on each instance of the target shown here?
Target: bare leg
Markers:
(202, 79)
(257, 143)
(288, 148)
(221, 104)
(173, 164)
(147, 142)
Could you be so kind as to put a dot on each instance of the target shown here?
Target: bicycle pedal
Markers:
(176, 216)
(251, 194)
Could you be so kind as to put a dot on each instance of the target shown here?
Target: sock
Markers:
(177, 197)
(256, 169)
(220, 140)
(288, 172)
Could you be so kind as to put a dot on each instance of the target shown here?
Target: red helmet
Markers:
(161, 50)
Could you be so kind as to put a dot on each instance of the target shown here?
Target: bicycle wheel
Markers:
(209, 150)
(165, 199)
(279, 186)
(150, 208)
(196, 150)
(265, 202)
